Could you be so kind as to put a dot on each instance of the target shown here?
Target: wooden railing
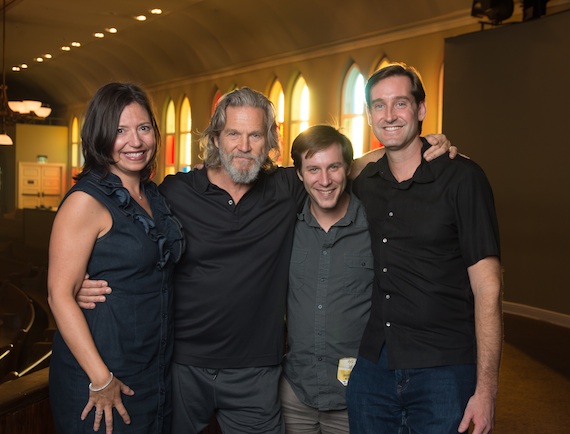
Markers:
(24, 405)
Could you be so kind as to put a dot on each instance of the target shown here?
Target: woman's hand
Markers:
(103, 403)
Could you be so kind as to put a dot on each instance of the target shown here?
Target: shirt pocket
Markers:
(358, 273)
(297, 267)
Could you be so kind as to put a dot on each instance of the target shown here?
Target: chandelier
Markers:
(12, 112)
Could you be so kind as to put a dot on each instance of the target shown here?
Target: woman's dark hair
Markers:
(102, 121)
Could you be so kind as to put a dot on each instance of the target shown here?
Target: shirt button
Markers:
(384, 270)
(230, 202)
(320, 359)
(388, 324)
(325, 252)
(387, 296)
(320, 306)
(391, 214)
(384, 240)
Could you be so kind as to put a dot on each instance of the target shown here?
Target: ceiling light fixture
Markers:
(15, 111)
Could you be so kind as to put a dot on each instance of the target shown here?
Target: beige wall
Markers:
(34, 140)
(30, 140)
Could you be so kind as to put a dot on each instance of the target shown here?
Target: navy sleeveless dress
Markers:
(133, 328)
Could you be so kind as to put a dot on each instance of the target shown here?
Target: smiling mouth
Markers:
(134, 154)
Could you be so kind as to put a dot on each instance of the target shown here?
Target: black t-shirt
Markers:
(230, 285)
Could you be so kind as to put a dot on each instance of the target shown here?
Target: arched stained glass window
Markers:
(76, 151)
(185, 161)
(300, 109)
(353, 110)
(170, 140)
(277, 97)
(215, 100)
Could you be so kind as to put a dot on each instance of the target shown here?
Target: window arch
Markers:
(217, 96)
(76, 151)
(277, 97)
(353, 107)
(170, 140)
(300, 109)
(185, 158)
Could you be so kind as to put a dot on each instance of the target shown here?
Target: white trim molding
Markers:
(537, 313)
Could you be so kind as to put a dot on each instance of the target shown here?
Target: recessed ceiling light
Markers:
(99, 35)
(24, 66)
(65, 48)
(47, 56)
(156, 11)
(39, 59)
(140, 18)
(15, 68)
(76, 44)
(111, 30)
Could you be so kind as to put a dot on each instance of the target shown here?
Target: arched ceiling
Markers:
(190, 38)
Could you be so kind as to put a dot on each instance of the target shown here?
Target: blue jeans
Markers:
(407, 401)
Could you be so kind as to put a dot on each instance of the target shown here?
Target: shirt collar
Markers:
(422, 175)
(349, 217)
(203, 182)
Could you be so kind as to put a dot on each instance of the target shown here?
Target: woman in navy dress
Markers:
(111, 365)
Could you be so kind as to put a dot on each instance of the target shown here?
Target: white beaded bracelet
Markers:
(99, 389)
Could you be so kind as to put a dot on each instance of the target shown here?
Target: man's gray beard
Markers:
(245, 176)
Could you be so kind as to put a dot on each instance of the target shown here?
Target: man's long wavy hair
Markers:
(244, 97)
(102, 121)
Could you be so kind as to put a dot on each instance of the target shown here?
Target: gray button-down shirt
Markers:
(328, 304)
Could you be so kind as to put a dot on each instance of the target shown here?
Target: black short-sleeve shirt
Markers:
(425, 233)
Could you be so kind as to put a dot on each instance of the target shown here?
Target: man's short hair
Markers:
(317, 138)
(394, 70)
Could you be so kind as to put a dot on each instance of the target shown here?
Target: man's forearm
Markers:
(485, 279)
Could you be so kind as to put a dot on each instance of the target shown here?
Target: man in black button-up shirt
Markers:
(430, 354)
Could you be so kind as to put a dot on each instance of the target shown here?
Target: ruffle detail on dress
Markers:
(170, 238)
